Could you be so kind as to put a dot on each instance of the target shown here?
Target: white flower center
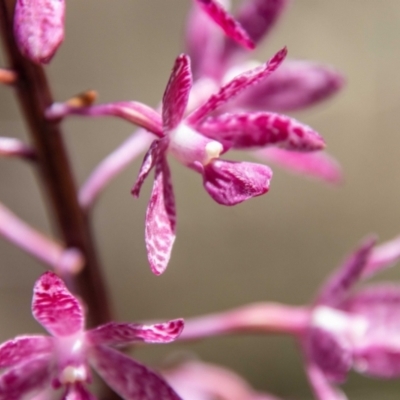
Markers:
(72, 374)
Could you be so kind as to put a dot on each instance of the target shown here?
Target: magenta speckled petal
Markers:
(227, 23)
(120, 334)
(320, 385)
(249, 130)
(332, 353)
(160, 220)
(236, 86)
(27, 377)
(295, 85)
(150, 160)
(176, 94)
(77, 392)
(230, 183)
(55, 308)
(39, 28)
(383, 256)
(129, 379)
(21, 348)
(339, 283)
(318, 165)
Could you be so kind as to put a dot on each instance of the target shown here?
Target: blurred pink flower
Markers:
(33, 362)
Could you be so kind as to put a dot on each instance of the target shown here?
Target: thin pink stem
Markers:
(253, 318)
(38, 245)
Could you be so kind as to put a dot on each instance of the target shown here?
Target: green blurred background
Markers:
(277, 247)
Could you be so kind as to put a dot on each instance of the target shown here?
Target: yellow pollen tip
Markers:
(213, 150)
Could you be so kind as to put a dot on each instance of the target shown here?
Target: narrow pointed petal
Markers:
(55, 308)
(247, 130)
(11, 147)
(129, 379)
(320, 385)
(228, 24)
(236, 86)
(331, 352)
(77, 392)
(340, 282)
(132, 111)
(384, 256)
(21, 348)
(176, 94)
(294, 86)
(318, 165)
(230, 183)
(120, 334)
(25, 378)
(160, 220)
(39, 28)
(152, 157)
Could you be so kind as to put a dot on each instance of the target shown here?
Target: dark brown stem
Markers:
(55, 173)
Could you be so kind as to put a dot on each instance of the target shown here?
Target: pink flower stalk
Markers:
(341, 330)
(195, 380)
(33, 362)
(39, 28)
(51, 253)
(197, 141)
(295, 85)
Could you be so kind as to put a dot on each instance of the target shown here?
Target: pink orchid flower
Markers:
(295, 85)
(196, 380)
(197, 140)
(341, 330)
(33, 362)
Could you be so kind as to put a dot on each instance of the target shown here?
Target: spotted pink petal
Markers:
(319, 165)
(247, 130)
(39, 28)
(226, 21)
(21, 348)
(236, 86)
(176, 94)
(331, 352)
(25, 378)
(384, 256)
(77, 392)
(230, 183)
(153, 155)
(339, 283)
(160, 220)
(128, 378)
(120, 334)
(55, 308)
(320, 385)
(295, 85)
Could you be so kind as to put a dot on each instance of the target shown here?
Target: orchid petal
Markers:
(384, 256)
(319, 165)
(31, 375)
(120, 334)
(134, 112)
(246, 130)
(150, 160)
(55, 308)
(160, 220)
(320, 385)
(226, 21)
(11, 147)
(39, 28)
(20, 348)
(131, 380)
(176, 94)
(230, 183)
(236, 86)
(77, 392)
(295, 85)
(339, 283)
(331, 352)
